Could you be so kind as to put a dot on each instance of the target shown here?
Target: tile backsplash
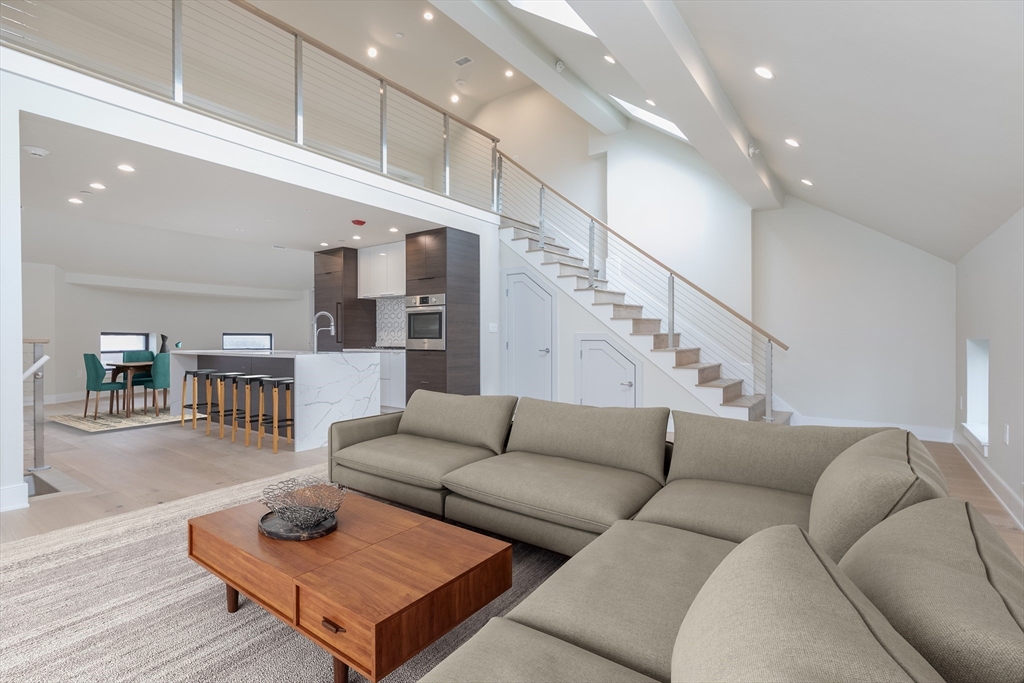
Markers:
(391, 321)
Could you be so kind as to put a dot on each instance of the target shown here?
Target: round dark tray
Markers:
(273, 526)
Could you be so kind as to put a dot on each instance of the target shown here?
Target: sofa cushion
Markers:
(949, 584)
(470, 420)
(624, 596)
(411, 459)
(577, 494)
(723, 509)
(757, 453)
(872, 479)
(778, 609)
(506, 652)
(626, 438)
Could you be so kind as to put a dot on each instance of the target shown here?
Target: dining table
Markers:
(128, 369)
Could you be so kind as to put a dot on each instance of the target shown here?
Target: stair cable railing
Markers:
(233, 61)
(36, 359)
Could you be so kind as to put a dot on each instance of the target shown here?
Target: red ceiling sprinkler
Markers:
(358, 222)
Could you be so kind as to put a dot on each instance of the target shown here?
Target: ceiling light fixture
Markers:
(382, 254)
(764, 72)
(356, 237)
(324, 244)
(609, 59)
(98, 186)
(36, 151)
(653, 119)
(650, 102)
(399, 35)
(455, 98)
(393, 230)
(126, 168)
(372, 52)
(75, 200)
(805, 181)
(428, 16)
(509, 73)
(557, 11)
(792, 143)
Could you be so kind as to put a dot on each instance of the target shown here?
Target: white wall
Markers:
(990, 305)
(870, 321)
(664, 197)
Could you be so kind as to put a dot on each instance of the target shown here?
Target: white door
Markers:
(605, 376)
(529, 338)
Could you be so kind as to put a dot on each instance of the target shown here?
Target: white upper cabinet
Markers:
(382, 271)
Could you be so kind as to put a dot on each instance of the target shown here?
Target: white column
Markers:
(13, 490)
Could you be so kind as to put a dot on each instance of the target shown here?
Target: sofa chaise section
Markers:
(403, 456)
(574, 467)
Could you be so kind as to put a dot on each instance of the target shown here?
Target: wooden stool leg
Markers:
(195, 397)
(220, 402)
(288, 410)
(340, 671)
(184, 386)
(259, 422)
(275, 419)
(209, 403)
(234, 404)
(248, 412)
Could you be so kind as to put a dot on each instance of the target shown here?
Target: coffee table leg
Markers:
(340, 671)
(232, 599)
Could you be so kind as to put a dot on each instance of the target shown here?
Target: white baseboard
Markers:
(14, 497)
(1003, 493)
(922, 432)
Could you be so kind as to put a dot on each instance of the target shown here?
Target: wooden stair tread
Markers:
(745, 401)
(649, 320)
(554, 253)
(548, 242)
(781, 417)
(596, 279)
(720, 383)
(596, 289)
(698, 366)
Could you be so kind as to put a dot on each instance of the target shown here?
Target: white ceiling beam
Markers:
(495, 29)
(652, 42)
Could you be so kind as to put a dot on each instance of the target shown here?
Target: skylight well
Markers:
(653, 119)
(557, 11)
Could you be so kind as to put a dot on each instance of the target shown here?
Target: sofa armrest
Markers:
(350, 432)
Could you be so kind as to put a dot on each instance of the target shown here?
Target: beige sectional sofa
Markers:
(767, 553)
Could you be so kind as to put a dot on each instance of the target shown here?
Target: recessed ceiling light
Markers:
(648, 117)
(382, 254)
(764, 72)
(455, 98)
(356, 237)
(650, 102)
(510, 73)
(805, 181)
(372, 52)
(460, 82)
(557, 11)
(324, 244)
(428, 16)
(126, 168)
(399, 35)
(792, 143)
(75, 200)
(393, 230)
(609, 59)
(36, 151)
(239, 229)
(98, 186)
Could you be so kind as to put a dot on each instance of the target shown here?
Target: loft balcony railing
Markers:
(233, 61)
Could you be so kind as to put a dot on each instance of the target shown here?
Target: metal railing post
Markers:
(447, 158)
(494, 176)
(671, 310)
(499, 181)
(38, 459)
(177, 11)
(298, 91)
(768, 417)
(383, 126)
(540, 221)
(591, 268)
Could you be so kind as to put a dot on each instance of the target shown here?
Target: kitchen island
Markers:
(328, 387)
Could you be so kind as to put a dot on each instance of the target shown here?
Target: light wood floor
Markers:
(132, 469)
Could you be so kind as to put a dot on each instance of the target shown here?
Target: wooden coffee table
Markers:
(385, 585)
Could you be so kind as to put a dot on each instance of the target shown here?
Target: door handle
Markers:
(626, 384)
(547, 350)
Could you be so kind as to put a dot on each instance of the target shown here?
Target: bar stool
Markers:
(247, 419)
(275, 383)
(221, 378)
(194, 374)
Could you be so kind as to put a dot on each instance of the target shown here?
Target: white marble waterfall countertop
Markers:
(245, 353)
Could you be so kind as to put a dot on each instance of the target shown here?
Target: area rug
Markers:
(118, 600)
(105, 422)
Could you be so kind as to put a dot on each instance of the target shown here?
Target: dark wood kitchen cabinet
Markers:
(335, 290)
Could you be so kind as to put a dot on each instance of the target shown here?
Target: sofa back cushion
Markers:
(470, 420)
(756, 453)
(778, 609)
(876, 477)
(950, 585)
(627, 438)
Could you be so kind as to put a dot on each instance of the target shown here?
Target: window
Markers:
(114, 344)
(977, 392)
(247, 341)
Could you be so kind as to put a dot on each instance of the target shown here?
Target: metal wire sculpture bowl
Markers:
(304, 503)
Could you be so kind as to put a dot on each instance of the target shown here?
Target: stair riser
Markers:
(520, 233)
(710, 374)
(535, 244)
(566, 269)
(563, 258)
(732, 392)
(646, 326)
(626, 312)
(661, 341)
(581, 282)
(687, 356)
(609, 297)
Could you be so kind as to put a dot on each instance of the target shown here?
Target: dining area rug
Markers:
(106, 422)
(117, 600)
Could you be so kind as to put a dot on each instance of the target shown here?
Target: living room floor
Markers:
(131, 469)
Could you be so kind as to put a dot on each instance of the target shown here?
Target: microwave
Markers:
(425, 322)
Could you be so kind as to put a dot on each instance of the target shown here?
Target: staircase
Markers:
(704, 377)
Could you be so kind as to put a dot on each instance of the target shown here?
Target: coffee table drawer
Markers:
(333, 625)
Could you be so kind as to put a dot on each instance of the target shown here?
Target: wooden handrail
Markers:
(743, 319)
(288, 28)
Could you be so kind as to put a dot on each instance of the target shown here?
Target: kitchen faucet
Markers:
(316, 331)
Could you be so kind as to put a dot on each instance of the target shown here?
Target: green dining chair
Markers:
(138, 357)
(159, 379)
(94, 375)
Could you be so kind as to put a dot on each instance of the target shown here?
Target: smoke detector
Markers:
(36, 151)
(463, 61)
